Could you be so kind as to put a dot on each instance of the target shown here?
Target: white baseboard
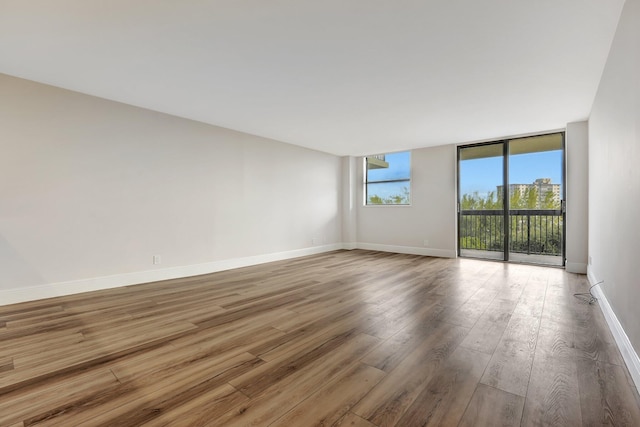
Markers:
(32, 293)
(440, 253)
(576, 267)
(629, 354)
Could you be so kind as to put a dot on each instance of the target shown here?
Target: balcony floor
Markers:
(546, 260)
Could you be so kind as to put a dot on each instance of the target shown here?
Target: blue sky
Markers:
(483, 175)
(399, 168)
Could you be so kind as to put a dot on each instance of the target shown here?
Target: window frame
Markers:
(366, 181)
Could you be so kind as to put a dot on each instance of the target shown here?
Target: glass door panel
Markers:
(536, 217)
(481, 215)
(511, 200)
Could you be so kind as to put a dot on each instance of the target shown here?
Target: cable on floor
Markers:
(592, 297)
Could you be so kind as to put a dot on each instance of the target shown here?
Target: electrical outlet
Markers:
(425, 242)
(590, 260)
(315, 241)
(157, 260)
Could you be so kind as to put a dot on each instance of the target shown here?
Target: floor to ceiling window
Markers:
(511, 200)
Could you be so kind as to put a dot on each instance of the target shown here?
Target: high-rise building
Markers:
(542, 186)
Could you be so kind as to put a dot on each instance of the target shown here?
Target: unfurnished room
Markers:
(337, 213)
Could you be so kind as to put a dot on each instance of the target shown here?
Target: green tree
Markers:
(394, 199)
(549, 201)
(531, 197)
(375, 200)
(470, 201)
(476, 202)
(516, 200)
(492, 202)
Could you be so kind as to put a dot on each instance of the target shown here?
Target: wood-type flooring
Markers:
(346, 338)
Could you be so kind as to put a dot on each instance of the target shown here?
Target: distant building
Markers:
(543, 187)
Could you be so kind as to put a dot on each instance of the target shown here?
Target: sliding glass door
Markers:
(510, 204)
(481, 219)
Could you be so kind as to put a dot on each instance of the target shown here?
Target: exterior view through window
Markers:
(388, 179)
(510, 203)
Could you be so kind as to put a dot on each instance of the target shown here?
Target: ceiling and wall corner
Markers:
(97, 194)
(347, 78)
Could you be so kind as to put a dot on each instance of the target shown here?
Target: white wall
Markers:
(614, 176)
(577, 177)
(349, 202)
(431, 216)
(92, 188)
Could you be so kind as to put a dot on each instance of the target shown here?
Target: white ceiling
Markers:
(349, 77)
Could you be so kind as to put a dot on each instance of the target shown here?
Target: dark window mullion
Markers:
(505, 200)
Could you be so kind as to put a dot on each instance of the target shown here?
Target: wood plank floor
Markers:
(347, 338)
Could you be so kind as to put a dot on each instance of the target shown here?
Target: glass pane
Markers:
(481, 177)
(388, 179)
(535, 172)
(399, 167)
(535, 196)
(481, 222)
(388, 193)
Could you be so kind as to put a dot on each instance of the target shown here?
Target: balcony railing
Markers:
(531, 232)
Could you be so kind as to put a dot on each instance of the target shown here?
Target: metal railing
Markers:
(531, 231)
